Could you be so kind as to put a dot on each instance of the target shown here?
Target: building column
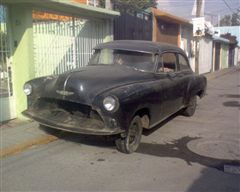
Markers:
(20, 23)
(179, 35)
(154, 27)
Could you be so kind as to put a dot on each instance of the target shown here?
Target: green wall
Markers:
(224, 56)
(20, 21)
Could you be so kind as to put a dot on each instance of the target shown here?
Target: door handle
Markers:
(172, 75)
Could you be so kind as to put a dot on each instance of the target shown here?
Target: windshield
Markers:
(137, 60)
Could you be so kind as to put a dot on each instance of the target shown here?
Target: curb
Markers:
(21, 147)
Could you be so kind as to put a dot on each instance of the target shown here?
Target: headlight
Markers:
(27, 89)
(110, 103)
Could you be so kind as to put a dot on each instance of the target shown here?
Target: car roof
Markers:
(141, 46)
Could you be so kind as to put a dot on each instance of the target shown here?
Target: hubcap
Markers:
(133, 132)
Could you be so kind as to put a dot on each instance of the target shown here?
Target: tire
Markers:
(131, 141)
(191, 107)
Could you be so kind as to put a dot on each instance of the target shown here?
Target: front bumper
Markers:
(66, 122)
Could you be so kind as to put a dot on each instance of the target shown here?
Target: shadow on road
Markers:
(209, 181)
(178, 149)
(175, 149)
(93, 140)
(235, 96)
(231, 104)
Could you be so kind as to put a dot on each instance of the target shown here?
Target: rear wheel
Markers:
(131, 141)
(191, 107)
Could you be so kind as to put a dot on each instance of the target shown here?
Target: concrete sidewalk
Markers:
(222, 72)
(17, 135)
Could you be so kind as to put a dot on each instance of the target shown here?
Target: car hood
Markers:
(82, 85)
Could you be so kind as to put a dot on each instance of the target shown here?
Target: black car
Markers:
(127, 86)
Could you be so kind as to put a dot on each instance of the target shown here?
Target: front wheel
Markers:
(131, 141)
(191, 107)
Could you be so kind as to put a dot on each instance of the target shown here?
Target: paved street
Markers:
(182, 154)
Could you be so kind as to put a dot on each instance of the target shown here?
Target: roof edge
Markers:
(87, 7)
(74, 6)
(169, 17)
(220, 39)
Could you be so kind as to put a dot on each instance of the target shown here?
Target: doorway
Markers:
(217, 56)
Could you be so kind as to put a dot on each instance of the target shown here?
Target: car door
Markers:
(167, 76)
(184, 74)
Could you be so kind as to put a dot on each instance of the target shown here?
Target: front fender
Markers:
(131, 99)
(38, 85)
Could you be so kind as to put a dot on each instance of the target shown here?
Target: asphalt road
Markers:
(183, 154)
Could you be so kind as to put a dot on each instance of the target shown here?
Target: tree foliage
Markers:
(236, 18)
(231, 20)
(138, 4)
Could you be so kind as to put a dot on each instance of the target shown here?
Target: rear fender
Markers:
(196, 87)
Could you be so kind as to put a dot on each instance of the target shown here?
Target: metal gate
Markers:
(132, 23)
(64, 42)
(7, 101)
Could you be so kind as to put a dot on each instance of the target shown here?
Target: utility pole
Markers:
(199, 8)
(219, 19)
(197, 39)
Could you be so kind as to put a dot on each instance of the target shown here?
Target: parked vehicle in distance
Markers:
(127, 86)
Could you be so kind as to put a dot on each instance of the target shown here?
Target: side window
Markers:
(169, 62)
(183, 64)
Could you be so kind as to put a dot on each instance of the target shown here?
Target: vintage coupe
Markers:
(127, 86)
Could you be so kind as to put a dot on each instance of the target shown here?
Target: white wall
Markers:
(205, 55)
(187, 44)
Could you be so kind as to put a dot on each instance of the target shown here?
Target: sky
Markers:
(213, 8)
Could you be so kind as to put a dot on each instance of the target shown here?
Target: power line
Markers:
(180, 5)
(227, 5)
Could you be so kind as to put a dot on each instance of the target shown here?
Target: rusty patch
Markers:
(21, 147)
